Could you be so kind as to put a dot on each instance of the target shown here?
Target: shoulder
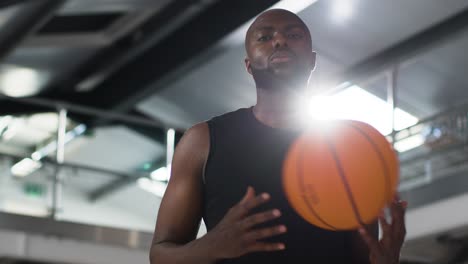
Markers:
(197, 131)
(196, 137)
(190, 154)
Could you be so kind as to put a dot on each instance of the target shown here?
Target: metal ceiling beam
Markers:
(404, 51)
(42, 103)
(76, 40)
(123, 49)
(186, 41)
(120, 28)
(109, 188)
(8, 3)
(28, 20)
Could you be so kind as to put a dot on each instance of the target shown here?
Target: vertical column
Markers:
(56, 194)
(392, 77)
(170, 145)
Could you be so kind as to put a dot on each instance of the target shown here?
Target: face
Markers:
(279, 47)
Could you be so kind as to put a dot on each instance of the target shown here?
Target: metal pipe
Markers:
(121, 175)
(184, 13)
(392, 79)
(170, 144)
(60, 155)
(80, 109)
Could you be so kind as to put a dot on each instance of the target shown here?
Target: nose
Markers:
(279, 41)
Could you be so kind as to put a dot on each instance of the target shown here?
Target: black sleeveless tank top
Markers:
(243, 152)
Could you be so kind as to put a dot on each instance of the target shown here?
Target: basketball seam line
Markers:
(382, 160)
(301, 187)
(345, 182)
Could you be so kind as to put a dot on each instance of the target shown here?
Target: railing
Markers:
(443, 151)
(79, 164)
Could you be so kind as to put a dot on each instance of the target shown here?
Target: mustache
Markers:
(282, 52)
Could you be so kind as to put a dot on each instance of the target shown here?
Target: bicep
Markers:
(180, 211)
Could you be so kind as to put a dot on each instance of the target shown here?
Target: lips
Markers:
(281, 59)
(281, 56)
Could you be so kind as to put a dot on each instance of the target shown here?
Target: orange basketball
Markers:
(342, 176)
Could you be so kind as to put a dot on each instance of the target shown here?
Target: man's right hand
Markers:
(236, 235)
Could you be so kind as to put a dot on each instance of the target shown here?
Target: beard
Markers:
(278, 78)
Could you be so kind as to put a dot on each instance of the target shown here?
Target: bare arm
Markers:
(179, 215)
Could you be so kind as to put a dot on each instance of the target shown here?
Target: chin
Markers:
(292, 77)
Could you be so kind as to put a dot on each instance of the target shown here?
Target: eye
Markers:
(295, 36)
(264, 38)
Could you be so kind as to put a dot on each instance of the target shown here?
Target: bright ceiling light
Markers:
(52, 146)
(19, 82)
(355, 103)
(409, 143)
(342, 10)
(25, 167)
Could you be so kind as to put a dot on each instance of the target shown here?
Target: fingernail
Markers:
(361, 230)
(281, 246)
(282, 228)
(265, 196)
(276, 212)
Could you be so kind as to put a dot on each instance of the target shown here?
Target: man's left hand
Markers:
(387, 249)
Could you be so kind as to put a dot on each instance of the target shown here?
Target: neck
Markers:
(278, 108)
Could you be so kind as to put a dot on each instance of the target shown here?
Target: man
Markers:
(228, 172)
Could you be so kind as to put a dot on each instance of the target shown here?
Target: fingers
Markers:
(259, 218)
(252, 238)
(371, 242)
(397, 209)
(262, 246)
(248, 195)
(263, 233)
(256, 235)
(249, 202)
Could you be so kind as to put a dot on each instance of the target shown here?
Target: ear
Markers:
(248, 65)
(313, 60)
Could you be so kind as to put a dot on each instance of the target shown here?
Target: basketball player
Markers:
(228, 172)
